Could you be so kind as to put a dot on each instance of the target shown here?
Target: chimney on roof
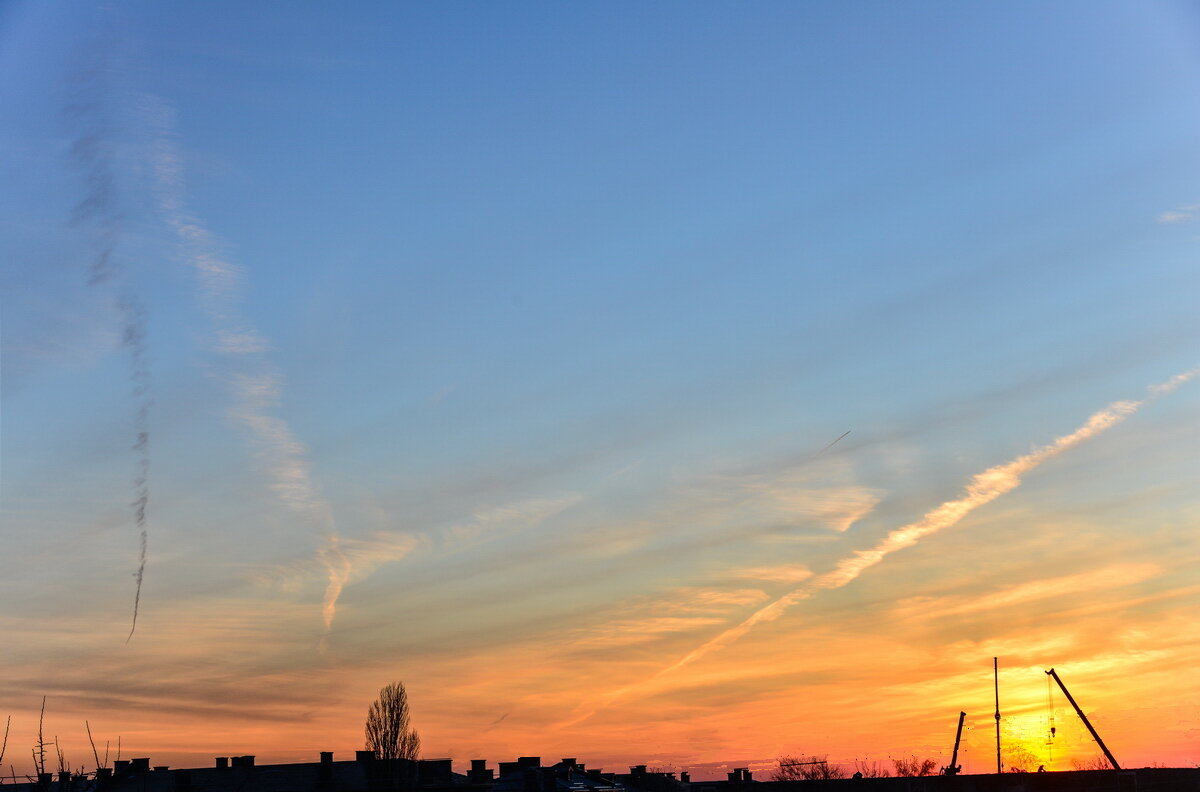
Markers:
(435, 771)
(120, 766)
(685, 777)
(325, 770)
(141, 765)
(479, 773)
(638, 770)
(746, 774)
(222, 761)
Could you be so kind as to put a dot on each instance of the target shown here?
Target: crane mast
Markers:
(955, 768)
(1107, 753)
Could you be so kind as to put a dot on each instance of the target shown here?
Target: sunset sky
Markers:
(510, 350)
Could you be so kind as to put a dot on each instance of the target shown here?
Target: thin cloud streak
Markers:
(99, 209)
(255, 386)
(338, 568)
(1182, 214)
(1110, 578)
(982, 489)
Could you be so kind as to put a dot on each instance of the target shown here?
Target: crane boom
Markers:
(955, 768)
(1107, 753)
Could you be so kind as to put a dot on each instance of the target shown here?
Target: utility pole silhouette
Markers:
(996, 678)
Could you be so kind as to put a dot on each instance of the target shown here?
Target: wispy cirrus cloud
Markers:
(778, 573)
(1181, 214)
(1107, 578)
(357, 559)
(687, 609)
(794, 497)
(493, 521)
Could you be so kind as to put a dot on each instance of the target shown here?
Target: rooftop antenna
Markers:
(996, 678)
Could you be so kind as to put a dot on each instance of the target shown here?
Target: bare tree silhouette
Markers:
(805, 768)
(1091, 763)
(914, 767)
(1019, 759)
(388, 731)
(871, 769)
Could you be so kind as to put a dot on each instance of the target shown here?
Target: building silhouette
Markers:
(365, 773)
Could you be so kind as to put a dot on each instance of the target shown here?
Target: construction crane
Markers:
(955, 768)
(1107, 753)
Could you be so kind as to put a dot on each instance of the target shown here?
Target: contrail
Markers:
(99, 211)
(337, 566)
(495, 723)
(982, 488)
(828, 446)
(255, 386)
(135, 342)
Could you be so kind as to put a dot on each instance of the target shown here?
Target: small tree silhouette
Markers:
(388, 731)
(1019, 759)
(914, 767)
(1091, 763)
(805, 768)
(871, 769)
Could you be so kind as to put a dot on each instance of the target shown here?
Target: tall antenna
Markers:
(996, 678)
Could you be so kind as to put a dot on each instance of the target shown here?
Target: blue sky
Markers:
(543, 307)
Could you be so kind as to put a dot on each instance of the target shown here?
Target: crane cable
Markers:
(1050, 719)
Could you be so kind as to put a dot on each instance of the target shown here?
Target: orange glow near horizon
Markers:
(534, 660)
(795, 688)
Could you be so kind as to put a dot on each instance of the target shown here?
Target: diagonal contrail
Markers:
(983, 488)
(829, 445)
(255, 385)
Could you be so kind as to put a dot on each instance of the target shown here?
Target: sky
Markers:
(681, 384)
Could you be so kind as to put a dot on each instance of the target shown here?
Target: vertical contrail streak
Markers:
(135, 342)
(98, 211)
(255, 386)
(982, 488)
